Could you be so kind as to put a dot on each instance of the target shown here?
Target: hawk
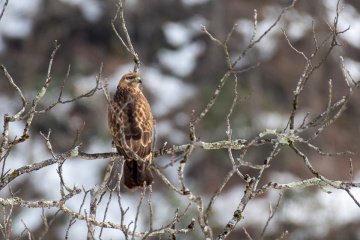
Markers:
(135, 114)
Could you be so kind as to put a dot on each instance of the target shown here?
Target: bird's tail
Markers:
(135, 174)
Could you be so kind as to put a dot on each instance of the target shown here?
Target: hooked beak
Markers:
(137, 80)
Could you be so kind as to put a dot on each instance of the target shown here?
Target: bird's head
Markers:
(131, 79)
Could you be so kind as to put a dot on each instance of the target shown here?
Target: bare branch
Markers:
(247, 234)
(271, 215)
(18, 90)
(3, 10)
(237, 216)
(129, 47)
(94, 201)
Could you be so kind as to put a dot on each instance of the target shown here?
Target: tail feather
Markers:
(135, 174)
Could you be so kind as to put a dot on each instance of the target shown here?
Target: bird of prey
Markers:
(136, 121)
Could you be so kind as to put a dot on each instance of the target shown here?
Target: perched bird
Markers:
(134, 111)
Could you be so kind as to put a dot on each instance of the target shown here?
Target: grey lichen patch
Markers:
(222, 144)
(75, 151)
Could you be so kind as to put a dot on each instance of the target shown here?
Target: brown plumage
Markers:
(137, 119)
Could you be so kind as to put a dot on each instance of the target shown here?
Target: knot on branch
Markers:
(192, 224)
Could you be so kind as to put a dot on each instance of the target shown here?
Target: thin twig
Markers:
(129, 47)
(3, 10)
(271, 215)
